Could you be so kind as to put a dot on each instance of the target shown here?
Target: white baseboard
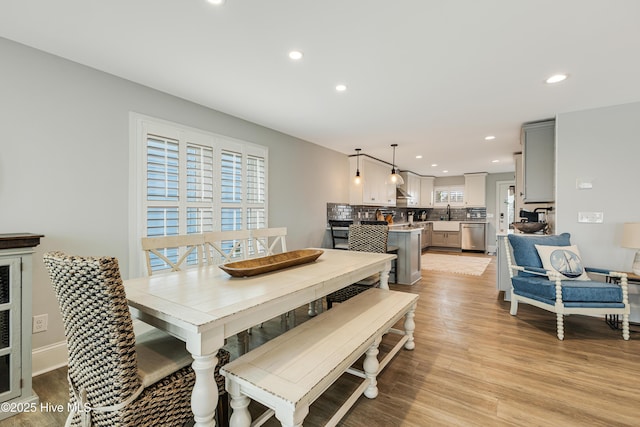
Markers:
(48, 358)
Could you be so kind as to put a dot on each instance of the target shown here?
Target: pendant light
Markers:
(395, 178)
(357, 180)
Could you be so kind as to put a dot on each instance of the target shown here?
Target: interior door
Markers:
(505, 206)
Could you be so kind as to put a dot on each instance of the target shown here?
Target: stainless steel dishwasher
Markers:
(473, 237)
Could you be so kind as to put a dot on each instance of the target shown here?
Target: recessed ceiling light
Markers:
(445, 171)
(489, 138)
(495, 161)
(216, 2)
(418, 156)
(341, 87)
(556, 78)
(434, 165)
(295, 55)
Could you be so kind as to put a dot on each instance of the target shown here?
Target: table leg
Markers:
(204, 398)
(384, 275)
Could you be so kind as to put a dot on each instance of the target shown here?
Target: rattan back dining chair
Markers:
(126, 380)
(363, 238)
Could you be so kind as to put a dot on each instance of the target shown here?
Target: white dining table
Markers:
(204, 306)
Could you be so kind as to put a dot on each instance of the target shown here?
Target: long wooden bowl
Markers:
(255, 266)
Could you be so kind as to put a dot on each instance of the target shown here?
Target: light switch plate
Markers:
(591, 217)
(584, 184)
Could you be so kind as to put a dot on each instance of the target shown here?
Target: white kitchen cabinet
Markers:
(374, 190)
(15, 322)
(426, 191)
(412, 187)
(475, 190)
(538, 161)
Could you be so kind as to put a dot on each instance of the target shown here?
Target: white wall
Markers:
(601, 145)
(64, 162)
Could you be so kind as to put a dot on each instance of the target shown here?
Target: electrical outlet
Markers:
(40, 323)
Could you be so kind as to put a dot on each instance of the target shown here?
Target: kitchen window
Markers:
(191, 181)
(450, 195)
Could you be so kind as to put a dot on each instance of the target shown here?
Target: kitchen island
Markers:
(409, 243)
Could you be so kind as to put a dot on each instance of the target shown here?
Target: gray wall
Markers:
(601, 145)
(64, 162)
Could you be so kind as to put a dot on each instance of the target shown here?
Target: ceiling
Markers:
(433, 76)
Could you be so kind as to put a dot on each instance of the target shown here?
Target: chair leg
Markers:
(625, 326)
(560, 322)
(222, 410)
(243, 342)
(514, 305)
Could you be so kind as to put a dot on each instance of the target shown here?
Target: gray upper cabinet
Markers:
(538, 149)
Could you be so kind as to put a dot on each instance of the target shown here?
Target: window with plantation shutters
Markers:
(450, 195)
(191, 181)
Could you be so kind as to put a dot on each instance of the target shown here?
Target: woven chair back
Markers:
(98, 327)
(368, 238)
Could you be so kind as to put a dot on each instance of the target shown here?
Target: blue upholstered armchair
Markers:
(547, 272)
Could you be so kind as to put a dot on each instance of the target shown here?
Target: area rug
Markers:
(456, 264)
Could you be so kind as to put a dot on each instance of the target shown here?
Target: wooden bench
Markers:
(288, 373)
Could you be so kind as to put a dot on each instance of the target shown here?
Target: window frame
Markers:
(140, 127)
(449, 189)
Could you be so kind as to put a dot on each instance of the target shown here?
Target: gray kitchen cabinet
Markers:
(15, 323)
(538, 161)
(426, 235)
(445, 239)
(408, 263)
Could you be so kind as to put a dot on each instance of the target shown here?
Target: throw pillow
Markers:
(564, 260)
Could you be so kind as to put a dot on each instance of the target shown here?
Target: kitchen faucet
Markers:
(448, 212)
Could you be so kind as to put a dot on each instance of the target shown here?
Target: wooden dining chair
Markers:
(173, 253)
(127, 380)
(363, 238)
(340, 233)
(222, 247)
(268, 241)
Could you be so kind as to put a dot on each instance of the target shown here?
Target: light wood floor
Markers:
(474, 365)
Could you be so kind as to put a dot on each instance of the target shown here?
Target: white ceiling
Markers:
(434, 76)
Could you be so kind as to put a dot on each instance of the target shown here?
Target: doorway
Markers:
(505, 205)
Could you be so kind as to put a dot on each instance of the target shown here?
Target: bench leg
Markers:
(243, 341)
(371, 366)
(409, 327)
(240, 417)
(292, 419)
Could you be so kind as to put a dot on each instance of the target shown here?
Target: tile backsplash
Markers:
(356, 213)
